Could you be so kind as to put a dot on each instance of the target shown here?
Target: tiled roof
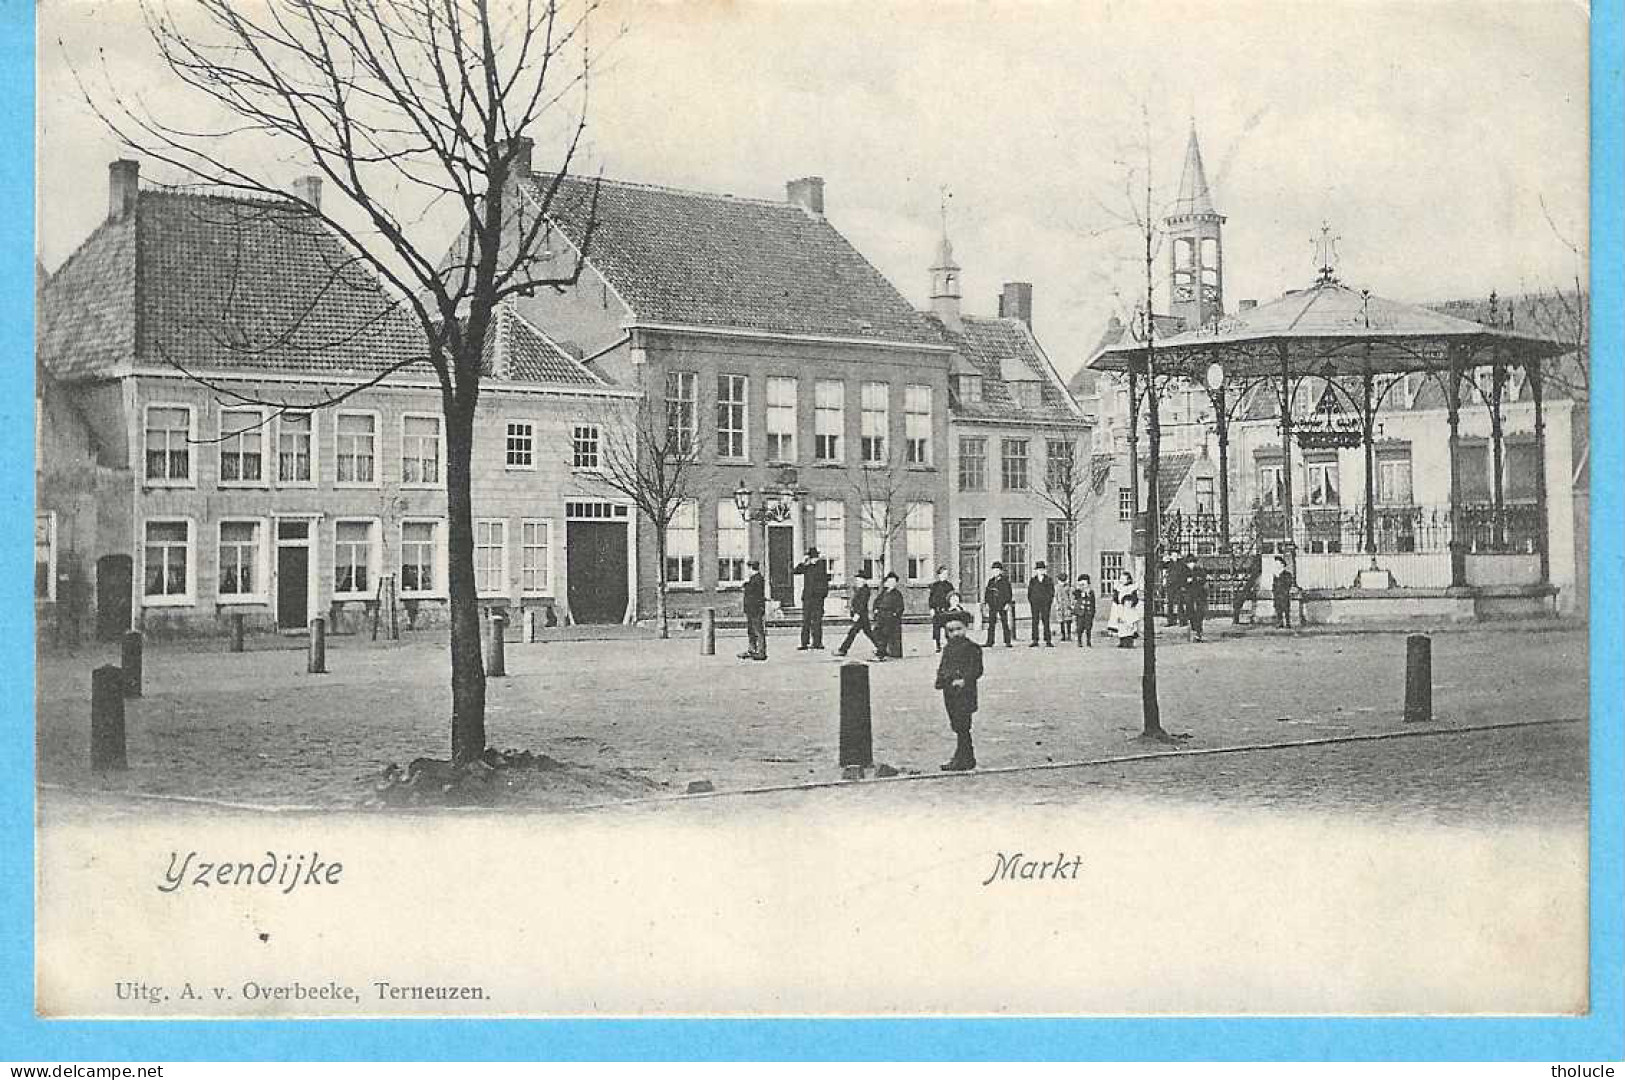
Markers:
(1171, 472)
(992, 343)
(518, 351)
(695, 259)
(222, 283)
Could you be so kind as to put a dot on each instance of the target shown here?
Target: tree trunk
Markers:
(467, 663)
(662, 612)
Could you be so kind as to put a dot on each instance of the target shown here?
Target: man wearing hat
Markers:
(755, 613)
(998, 598)
(957, 673)
(858, 605)
(1040, 599)
(889, 619)
(814, 587)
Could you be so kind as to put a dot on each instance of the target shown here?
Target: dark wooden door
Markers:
(596, 554)
(115, 579)
(781, 554)
(292, 587)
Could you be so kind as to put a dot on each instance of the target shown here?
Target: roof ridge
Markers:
(668, 189)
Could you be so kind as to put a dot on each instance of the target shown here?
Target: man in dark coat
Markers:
(1281, 593)
(937, 600)
(858, 606)
(889, 619)
(1040, 599)
(998, 597)
(957, 674)
(755, 613)
(1195, 595)
(814, 587)
(1173, 584)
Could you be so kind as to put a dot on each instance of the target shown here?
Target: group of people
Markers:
(1077, 607)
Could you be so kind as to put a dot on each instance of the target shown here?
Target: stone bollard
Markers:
(1418, 679)
(708, 632)
(857, 737)
(497, 664)
(237, 632)
(107, 719)
(532, 626)
(130, 659)
(317, 665)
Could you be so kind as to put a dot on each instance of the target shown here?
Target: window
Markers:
(1111, 570)
(1058, 548)
(1323, 482)
(1125, 504)
(683, 544)
(872, 538)
(972, 463)
(520, 448)
(1205, 503)
(1013, 466)
(917, 424)
(1394, 479)
(354, 558)
(969, 387)
(731, 400)
(1024, 393)
(829, 419)
(829, 532)
(295, 449)
(240, 577)
(875, 421)
(169, 444)
(733, 544)
(45, 556)
(491, 556)
(357, 436)
(420, 557)
(1015, 545)
(920, 531)
(970, 558)
(682, 412)
(1521, 464)
(535, 557)
(584, 446)
(242, 438)
(1060, 466)
(420, 450)
(1271, 494)
(167, 570)
(781, 419)
(1473, 471)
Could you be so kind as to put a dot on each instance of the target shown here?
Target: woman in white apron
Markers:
(1127, 611)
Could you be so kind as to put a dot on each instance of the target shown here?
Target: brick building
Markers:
(801, 373)
(178, 498)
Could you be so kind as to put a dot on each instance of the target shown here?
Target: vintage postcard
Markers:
(812, 509)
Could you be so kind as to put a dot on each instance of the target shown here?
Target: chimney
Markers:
(523, 148)
(807, 193)
(1247, 305)
(309, 188)
(123, 187)
(1016, 302)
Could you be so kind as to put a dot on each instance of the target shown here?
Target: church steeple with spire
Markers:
(945, 287)
(1196, 245)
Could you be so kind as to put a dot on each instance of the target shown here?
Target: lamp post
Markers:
(1221, 422)
(764, 506)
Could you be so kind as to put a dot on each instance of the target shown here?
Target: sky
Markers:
(1444, 142)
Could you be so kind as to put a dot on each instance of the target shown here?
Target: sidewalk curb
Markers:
(774, 789)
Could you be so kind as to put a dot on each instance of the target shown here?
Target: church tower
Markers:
(945, 288)
(1196, 256)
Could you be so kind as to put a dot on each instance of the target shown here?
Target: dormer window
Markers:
(968, 387)
(1025, 394)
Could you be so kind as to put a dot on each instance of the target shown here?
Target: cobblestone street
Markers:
(254, 728)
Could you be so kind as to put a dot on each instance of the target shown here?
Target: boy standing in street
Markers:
(937, 601)
(957, 673)
(889, 619)
(1083, 610)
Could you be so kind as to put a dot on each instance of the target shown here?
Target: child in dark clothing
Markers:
(957, 673)
(1083, 610)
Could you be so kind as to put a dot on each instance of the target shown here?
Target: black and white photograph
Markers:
(658, 508)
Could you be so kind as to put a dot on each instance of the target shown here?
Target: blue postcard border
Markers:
(1600, 1035)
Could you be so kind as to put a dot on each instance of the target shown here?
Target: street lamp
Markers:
(764, 506)
(1221, 422)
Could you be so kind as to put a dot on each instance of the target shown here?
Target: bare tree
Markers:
(647, 454)
(882, 504)
(1072, 486)
(392, 102)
